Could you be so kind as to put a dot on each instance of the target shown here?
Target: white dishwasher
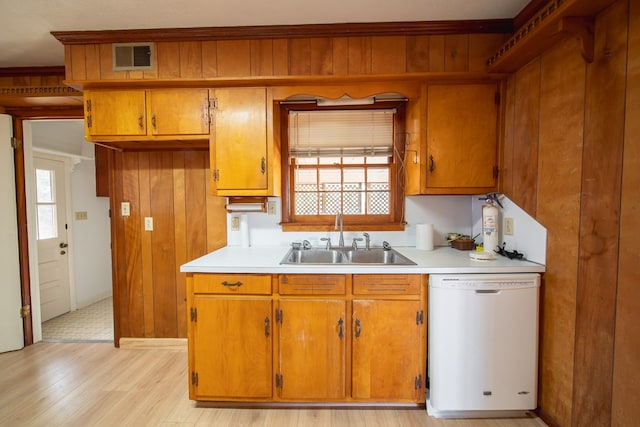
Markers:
(482, 345)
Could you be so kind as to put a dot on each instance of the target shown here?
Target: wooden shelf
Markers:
(556, 21)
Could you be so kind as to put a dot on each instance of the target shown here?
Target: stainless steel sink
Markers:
(313, 256)
(346, 256)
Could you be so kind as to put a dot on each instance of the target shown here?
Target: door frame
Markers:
(19, 116)
(30, 190)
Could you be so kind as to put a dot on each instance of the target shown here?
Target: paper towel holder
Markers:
(246, 204)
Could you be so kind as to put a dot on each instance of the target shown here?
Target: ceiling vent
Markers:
(133, 56)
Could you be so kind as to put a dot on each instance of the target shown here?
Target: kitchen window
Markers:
(343, 160)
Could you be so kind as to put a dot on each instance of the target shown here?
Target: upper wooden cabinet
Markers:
(243, 154)
(460, 152)
(142, 115)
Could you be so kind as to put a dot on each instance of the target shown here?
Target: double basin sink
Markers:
(348, 255)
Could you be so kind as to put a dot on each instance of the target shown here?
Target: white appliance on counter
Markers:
(483, 345)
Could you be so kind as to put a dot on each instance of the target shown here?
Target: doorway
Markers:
(83, 238)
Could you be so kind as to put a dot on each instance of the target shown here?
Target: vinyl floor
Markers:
(91, 323)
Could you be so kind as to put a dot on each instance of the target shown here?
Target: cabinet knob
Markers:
(141, 122)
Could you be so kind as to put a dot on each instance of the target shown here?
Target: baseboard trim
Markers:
(153, 342)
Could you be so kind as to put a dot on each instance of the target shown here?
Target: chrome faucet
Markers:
(341, 239)
(367, 240)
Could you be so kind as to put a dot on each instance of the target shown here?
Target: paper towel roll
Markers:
(424, 237)
(244, 231)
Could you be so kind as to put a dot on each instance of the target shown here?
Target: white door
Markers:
(51, 231)
(11, 332)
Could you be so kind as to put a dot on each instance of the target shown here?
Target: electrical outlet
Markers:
(125, 208)
(271, 208)
(508, 226)
(148, 223)
(235, 223)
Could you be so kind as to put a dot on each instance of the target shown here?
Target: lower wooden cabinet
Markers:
(232, 355)
(307, 338)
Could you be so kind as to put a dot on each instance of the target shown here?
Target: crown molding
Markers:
(413, 28)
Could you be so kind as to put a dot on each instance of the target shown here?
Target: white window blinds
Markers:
(336, 133)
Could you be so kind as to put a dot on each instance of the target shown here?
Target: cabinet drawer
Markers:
(312, 284)
(252, 284)
(387, 284)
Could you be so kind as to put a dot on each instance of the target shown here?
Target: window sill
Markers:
(297, 226)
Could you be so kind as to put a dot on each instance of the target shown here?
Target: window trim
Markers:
(351, 222)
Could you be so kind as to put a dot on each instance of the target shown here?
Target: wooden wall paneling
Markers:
(562, 83)
(68, 59)
(456, 52)
(626, 376)
(191, 60)
(299, 57)
(389, 55)
(280, 57)
(216, 220)
(209, 59)
(163, 244)
(234, 58)
(146, 244)
(599, 220)
(481, 47)
(118, 250)
(132, 314)
(102, 158)
(340, 56)
(262, 57)
(525, 147)
(92, 61)
(436, 53)
(321, 58)
(167, 55)
(196, 177)
(106, 63)
(181, 237)
(506, 161)
(359, 55)
(417, 54)
(78, 66)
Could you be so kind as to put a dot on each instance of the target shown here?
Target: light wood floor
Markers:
(95, 384)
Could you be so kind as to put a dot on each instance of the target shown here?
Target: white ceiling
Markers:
(25, 25)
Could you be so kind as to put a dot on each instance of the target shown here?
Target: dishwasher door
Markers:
(483, 344)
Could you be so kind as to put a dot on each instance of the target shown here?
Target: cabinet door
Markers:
(239, 155)
(386, 362)
(462, 137)
(178, 111)
(231, 349)
(115, 112)
(312, 349)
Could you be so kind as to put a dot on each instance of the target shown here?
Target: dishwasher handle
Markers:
(487, 291)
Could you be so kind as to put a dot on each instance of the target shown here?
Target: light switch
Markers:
(81, 215)
(125, 208)
(148, 223)
(508, 226)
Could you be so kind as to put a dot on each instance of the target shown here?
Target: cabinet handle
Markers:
(140, 122)
(263, 165)
(358, 328)
(266, 326)
(432, 164)
(228, 284)
(153, 121)
(340, 329)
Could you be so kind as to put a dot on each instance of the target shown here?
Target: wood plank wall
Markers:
(172, 188)
(626, 379)
(564, 142)
(321, 56)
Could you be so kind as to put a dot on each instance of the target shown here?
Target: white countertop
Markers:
(266, 259)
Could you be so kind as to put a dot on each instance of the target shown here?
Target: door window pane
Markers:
(46, 214)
